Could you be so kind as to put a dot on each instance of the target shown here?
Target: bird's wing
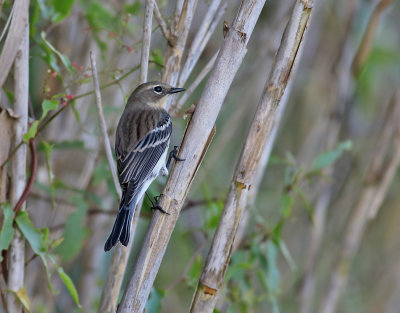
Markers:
(138, 162)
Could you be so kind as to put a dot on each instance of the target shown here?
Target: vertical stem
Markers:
(144, 60)
(180, 29)
(16, 253)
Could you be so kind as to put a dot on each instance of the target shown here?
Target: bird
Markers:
(141, 143)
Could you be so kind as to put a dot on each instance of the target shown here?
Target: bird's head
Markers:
(151, 93)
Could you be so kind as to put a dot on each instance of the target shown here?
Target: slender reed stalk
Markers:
(16, 252)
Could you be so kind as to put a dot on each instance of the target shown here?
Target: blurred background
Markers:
(339, 119)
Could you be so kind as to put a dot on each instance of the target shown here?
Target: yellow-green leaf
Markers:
(31, 132)
(23, 298)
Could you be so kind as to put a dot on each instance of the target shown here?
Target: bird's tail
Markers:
(121, 229)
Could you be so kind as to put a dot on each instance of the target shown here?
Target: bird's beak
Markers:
(176, 90)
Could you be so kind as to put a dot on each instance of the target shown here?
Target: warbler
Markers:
(141, 144)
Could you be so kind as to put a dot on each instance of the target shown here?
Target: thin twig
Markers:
(214, 270)
(7, 23)
(103, 127)
(25, 194)
(198, 136)
(162, 22)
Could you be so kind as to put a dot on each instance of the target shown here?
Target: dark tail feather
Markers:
(126, 230)
(121, 229)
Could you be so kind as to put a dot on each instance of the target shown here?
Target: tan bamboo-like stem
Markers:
(180, 30)
(197, 138)
(376, 185)
(205, 297)
(146, 39)
(263, 162)
(16, 252)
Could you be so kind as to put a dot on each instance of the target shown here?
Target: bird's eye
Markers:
(157, 89)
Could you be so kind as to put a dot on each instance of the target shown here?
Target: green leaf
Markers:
(48, 105)
(76, 112)
(32, 131)
(74, 231)
(67, 282)
(133, 8)
(286, 204)
(99, 16)
(327, 158)
(286, 254)
(7, 230)
(65, 60)
(154, 302)
(36, 237)
(62, 9)
(273, 270)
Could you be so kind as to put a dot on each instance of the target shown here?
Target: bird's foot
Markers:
(156, 205)
(173, 155)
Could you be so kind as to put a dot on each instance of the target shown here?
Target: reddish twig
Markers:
(28, 187)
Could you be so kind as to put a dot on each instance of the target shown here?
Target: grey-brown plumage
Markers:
(141, 144)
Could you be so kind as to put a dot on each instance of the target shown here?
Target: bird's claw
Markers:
(173, 155)
(156, 206)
